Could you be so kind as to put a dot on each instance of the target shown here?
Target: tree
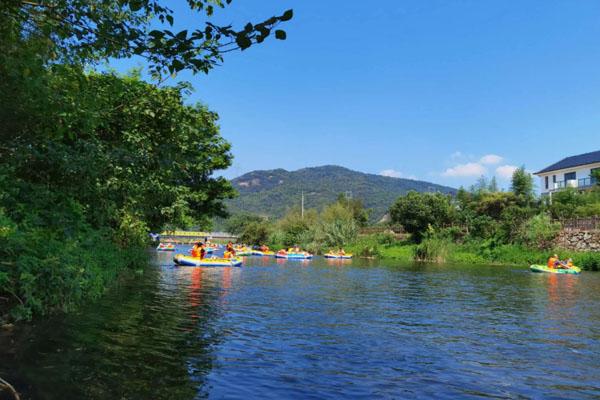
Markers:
(493, 185)
(522, 185)
(417, 212)
(295, 229)
(357, 208)
(337, 225)
(250, 228)
(89, 162)
(89, 31)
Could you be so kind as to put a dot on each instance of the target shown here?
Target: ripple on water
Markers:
(313, 330)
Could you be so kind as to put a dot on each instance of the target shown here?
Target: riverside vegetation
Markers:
(91, 161)
(480, 225)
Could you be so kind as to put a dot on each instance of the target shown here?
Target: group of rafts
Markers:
(293, 253)
(554, 264)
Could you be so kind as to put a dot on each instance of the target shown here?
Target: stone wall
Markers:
(579, 240)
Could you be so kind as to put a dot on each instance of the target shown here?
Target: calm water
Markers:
(320, 329)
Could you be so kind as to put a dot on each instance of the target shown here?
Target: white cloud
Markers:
(469, 169)
(490, 159)
(506, 171)
(456, 155)
(392, 173)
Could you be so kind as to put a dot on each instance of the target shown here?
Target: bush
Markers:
(539, 231)
(433, 249)
(587, 261)
(418, 212)
(386, 238)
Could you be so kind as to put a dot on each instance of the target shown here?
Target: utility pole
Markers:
(302, 207)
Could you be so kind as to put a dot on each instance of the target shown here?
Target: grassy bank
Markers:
(438, 250)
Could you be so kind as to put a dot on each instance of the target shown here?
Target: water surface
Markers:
(319, 329)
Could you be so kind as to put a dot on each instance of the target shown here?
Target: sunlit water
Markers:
(319, 329)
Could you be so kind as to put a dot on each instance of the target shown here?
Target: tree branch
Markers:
(5, 385)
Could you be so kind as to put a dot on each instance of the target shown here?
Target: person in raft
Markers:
(553, 261)
(230, 249)
(566, 264)
(341, 252)
(264, 248)
(195, 251)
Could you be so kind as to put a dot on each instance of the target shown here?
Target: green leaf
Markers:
(279, 34)
(135, 5)
(243, 42)
(170, 19)
(182, 35)
(289, 14)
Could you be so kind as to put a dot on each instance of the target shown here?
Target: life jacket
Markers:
(195, 252)
(551, 262)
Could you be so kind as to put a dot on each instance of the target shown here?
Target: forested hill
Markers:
(273, 192)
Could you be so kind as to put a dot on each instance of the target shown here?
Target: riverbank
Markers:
(482, 252)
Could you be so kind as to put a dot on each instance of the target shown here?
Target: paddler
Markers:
(196, 250)
(230, 249)
(553, 261)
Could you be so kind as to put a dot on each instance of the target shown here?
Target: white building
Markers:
(574, 171)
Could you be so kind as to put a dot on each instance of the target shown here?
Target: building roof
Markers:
(573, 161)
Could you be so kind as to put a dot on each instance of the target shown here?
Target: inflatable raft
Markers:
(187, 261)
(294, 256)
(263, 253)
(544, 268)
(338, 256)
(165, 247)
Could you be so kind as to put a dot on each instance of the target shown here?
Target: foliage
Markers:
(251, 229)
(539, 231)
(337, 225)
(522, 185)
(357, 209)
(419, 212)
(297, 229)
(433, 248)
(564, 203)
(89, 162)
(79, 31)
(273, 193)
(571, 203)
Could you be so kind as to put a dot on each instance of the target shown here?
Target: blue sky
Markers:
(422, 89)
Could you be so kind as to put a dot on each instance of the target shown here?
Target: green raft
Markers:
(544, 268)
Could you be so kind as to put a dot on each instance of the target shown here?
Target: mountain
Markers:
(273, 192)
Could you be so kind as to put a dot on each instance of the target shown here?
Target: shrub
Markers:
(434, 249)
(418, 212)
(539, 231)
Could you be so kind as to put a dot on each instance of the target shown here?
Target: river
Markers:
(317, 330)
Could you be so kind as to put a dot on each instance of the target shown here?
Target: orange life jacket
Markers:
(551, 262)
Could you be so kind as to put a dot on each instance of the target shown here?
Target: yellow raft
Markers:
(338, 256)
(187, 261)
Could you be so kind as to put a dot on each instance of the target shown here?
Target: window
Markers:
(570, 176)
(553, 178)
(546, 183)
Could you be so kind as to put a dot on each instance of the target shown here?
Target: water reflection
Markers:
(148, 339)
